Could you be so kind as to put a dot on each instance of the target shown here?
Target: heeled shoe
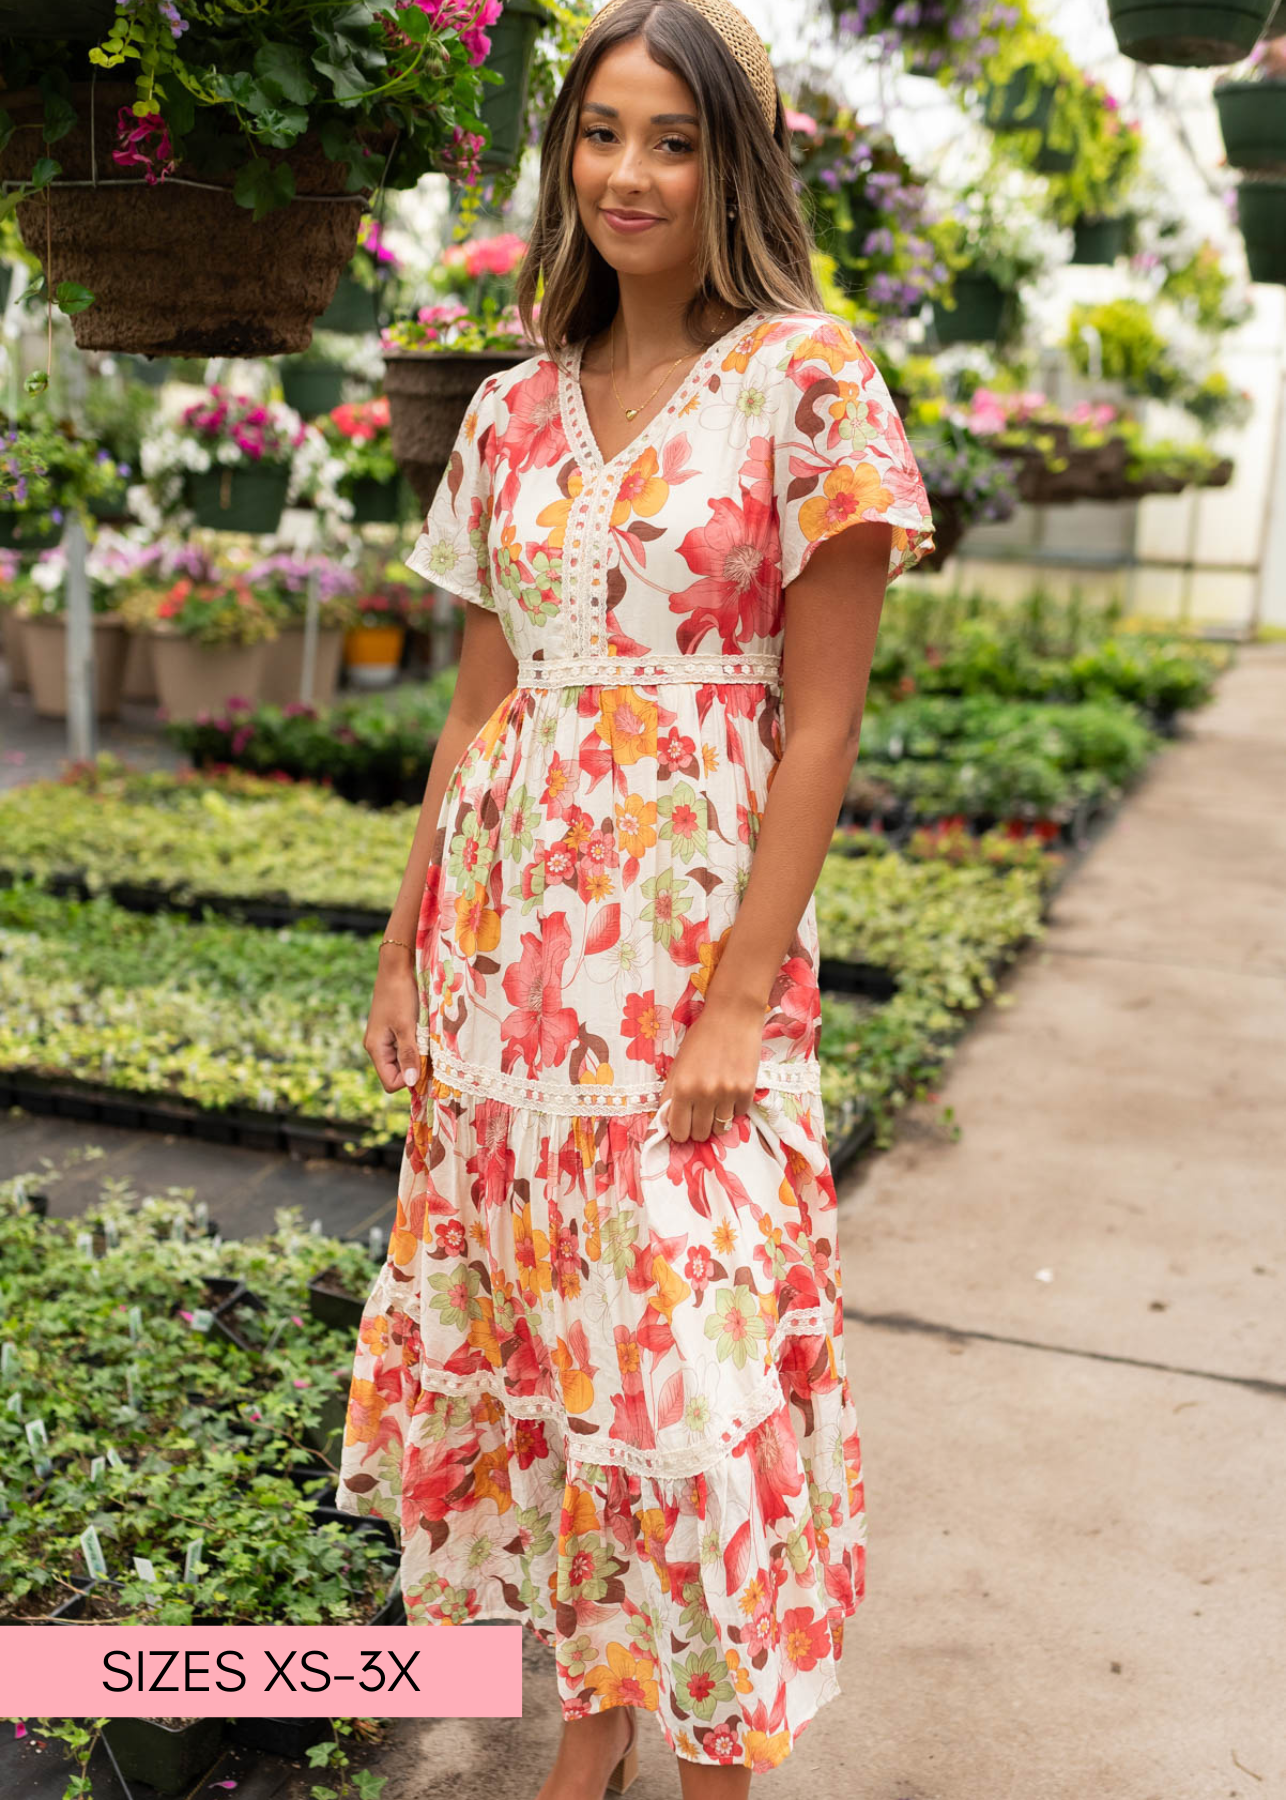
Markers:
(628, 1767)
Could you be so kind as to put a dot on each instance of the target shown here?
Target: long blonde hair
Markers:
(761, 260)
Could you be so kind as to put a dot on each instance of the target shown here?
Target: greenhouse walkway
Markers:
(1068, 1350)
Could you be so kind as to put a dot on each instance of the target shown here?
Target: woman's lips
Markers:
(619, 222)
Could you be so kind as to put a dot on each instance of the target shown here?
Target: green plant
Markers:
(1132, 350)
(47, 468)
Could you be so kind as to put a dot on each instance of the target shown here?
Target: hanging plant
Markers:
(1252, 111)
(871, 213)
(48, 471)
(360, 439)
(1050, 118)
(989, 245)
(241, 156)
(1199, 34)
(1261, 213)
(948, 39)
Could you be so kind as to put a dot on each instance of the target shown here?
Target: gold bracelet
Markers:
(398, 942)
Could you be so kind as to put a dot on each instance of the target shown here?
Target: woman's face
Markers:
(638, 152)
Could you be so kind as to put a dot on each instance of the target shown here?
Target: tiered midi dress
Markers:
(599, 1386)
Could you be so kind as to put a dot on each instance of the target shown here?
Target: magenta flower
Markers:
(145, 144)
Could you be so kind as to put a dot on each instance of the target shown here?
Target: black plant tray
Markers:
(291, 1738)
(846, 1149)
(249, 909)
(341, 1310)
(170, 1758)
(66, 1096)
(856, 978)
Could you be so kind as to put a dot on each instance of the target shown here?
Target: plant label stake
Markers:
(14, 1403)
(114, 1457)
(85, 1243)
(144, 1569)
(192, 1560)
(92, 1551)
(376, 1242)
(8, 1359)
(176, 1229)
(38, 1439)
(97, 1470)
(274, 1334)
(316, 1228)
(135, 1321)
(111, 1236)
(201, 1214)
(202, 1319)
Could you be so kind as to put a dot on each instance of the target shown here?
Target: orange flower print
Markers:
(847, 493)
(636, 824)
(555, 514)
(642, 491)
(477, 927)
(628, 722)
(624, 1680)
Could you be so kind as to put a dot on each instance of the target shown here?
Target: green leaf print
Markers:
(519, 828)
(618, 1236)
(696, 1618)
(455, 1295)
(701, 1683)
(469, 858)
(682, 821)
(737, 1325)
(666, 906)
(584, 1569)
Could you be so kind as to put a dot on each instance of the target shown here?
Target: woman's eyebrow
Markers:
(611, 112)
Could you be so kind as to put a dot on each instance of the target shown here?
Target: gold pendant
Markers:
(631, 412)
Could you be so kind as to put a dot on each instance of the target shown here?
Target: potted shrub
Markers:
(308, 118)
(281, 585)
(228, 459)
(359, 437)
(112, 565)
(209, 639)
(435, 362)
(373, 646)
(1198, 34)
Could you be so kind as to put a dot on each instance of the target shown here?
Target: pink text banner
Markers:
(77, 1671)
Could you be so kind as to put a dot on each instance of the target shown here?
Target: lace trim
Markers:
(622, 671)
(596, 1450)
(566, 1098)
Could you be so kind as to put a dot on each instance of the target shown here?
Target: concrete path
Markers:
(1076, 1485)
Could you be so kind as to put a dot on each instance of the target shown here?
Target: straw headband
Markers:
(741, 38)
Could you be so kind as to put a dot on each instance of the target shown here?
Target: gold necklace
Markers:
(633, 411)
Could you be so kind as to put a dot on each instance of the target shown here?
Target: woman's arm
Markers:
(487, 674)
(832, 617)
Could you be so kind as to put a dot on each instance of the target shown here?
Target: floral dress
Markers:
(599, 1386)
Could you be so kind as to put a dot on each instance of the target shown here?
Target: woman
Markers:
(600, 1382)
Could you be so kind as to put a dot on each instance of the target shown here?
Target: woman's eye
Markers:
(679, 144)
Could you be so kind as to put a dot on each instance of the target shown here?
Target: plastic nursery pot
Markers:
(192, 677)
(1100, 242)
(376, 502)
(152, 371)
(312, 388)
(238, 499)
(44, 640)
(330, 1302)
(373, 654)
(1188, 34)
(1261, 211)
(504, 109)
(1252, 117)
(291, 1738)
(27, 530)
(170, 1758)
(978, 314)
(352, 311)
(327, 1435)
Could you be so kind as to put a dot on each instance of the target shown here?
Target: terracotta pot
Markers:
(373, 654)
(193, 678)
(45, 643)
(140, 677)
(284, 664)
(180, 270)
(15, 650)
(428, 396)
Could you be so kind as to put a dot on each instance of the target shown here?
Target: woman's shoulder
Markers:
(799, 336)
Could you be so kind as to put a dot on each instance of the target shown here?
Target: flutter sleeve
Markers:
(452, 548)
(840, 453)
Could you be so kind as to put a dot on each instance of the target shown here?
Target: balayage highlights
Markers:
(758, 261)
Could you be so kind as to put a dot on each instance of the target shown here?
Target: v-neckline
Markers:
(576, 414)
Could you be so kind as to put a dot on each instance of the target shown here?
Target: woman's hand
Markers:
(390, 1029)
(714, 1075)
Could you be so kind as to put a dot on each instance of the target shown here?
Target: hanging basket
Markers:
(949, 528)
(178, 270)
(1261, 212)
(1188, 34)
(1023, 103)
(238, 499)
(978, 316)
(428, 395)
(28, 530)
(352, 311)
(504, 109)
(376, 502)
(1221, 474)
(312, 388)
(151, 371)
(1252, 117)
(1101, 242)
(82, 20)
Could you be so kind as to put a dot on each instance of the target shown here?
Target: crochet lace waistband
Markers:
(645, 671)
